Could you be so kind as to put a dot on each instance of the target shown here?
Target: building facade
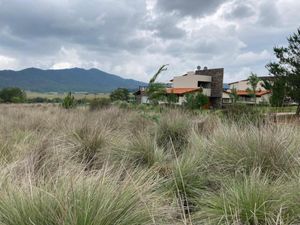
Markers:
(207, 81)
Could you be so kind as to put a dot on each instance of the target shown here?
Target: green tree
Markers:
(12, 95)
(156, 91)
(172, 98)
(287, 68)
(253, 80)
(196, 100)
(69, 101)
(120, 94)
(233, 95)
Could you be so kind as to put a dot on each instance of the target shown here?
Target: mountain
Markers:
(75, 79)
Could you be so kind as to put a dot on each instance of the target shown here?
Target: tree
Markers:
(156, 91)
(253, 80)
(287, 68)
(233, 95)
(278, 88)
(12, 95)
(195, 100)
(120, 94)
(69, 101)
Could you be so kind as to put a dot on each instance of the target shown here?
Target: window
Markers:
(203, 84)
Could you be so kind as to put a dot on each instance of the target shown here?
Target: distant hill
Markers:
(76, 79)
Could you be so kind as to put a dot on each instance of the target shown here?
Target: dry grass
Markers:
(119, 166)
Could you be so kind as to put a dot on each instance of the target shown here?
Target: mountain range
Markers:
(64, 80)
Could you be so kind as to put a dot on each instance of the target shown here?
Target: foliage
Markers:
(99, 103)
(120, 94)
(172, 98)
(196, 100)
(156, 92)
(242, 113)
(12, 95)
(233, 95)
(253, 80)
(287, 67)
(69, 101)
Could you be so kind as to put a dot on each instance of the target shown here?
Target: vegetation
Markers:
(253, 80)
(156, 91)
(287, 70)
(120, 94)
(12, 95)
(99, 103)
(69, 101)
(196, 100)
(144, 165)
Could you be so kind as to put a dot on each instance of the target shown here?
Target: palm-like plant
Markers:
(253, 80)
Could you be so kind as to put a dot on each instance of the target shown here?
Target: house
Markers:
(207, 81)
(244, 93)
(245, 96)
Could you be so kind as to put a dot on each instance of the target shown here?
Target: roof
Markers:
(260, 77)
(181, 90)
(247, 93)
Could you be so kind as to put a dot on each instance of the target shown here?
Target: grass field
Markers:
(134, 167)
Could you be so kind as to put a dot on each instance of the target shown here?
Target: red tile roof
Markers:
(247, 93)
(181, 90)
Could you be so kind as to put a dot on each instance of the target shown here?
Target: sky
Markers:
(133, 38)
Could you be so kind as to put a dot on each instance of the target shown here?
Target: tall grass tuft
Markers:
(83, 201)
(273, 149)
(251, 200)
(173, 131)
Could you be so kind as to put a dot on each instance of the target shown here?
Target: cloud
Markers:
(7, 62)
(195, 8)
(133, 38)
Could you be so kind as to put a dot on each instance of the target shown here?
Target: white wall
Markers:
(189, 81)
(243, 85)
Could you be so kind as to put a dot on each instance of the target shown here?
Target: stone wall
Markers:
(216, 84)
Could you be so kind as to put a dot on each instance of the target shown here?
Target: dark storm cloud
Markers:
(240, 11)
(94, 23)
(195, 8)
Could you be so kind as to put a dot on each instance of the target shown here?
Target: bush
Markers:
(120, 94)
(99, 103)
(243, 113)
(69, 101)
(12, 95)
(196, 101)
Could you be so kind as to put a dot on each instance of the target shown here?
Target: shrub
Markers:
(250, 201)
(12, 95)
(120, 94)
(196, 101)
(69, 101)
(242, 113)
(99, 103)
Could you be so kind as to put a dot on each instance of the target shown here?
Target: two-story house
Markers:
(207, 81)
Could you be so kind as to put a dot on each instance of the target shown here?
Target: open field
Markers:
(52, 95)
(133, 167)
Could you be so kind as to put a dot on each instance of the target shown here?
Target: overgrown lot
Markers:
(133, 167)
